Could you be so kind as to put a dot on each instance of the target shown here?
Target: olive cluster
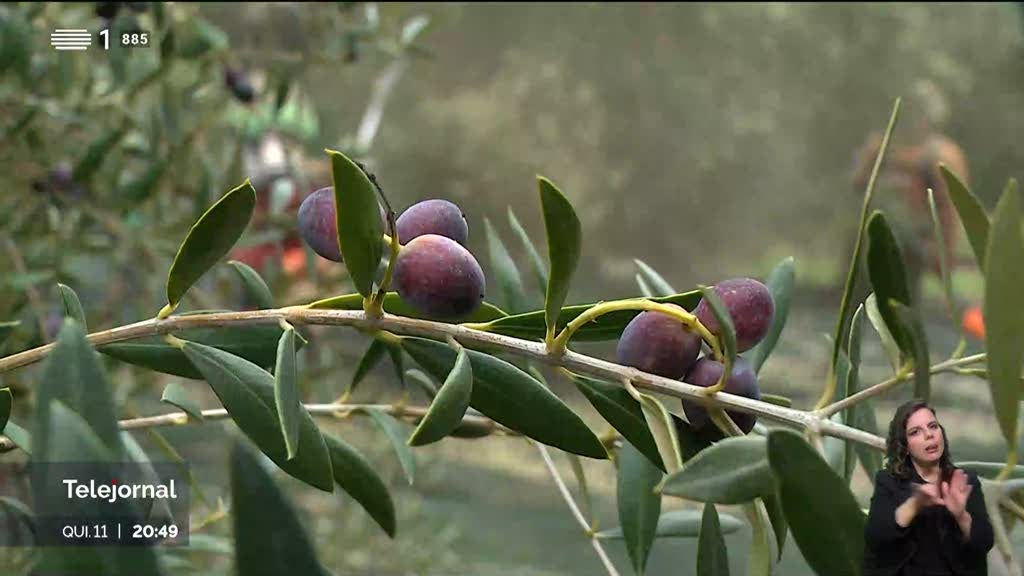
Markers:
(433, 272)
(660, 344)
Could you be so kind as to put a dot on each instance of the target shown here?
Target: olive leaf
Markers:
(210, 238)
(564, 245)
(1004, 315)
(357, 212)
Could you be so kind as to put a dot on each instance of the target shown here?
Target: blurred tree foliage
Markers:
(108, 155)
(727, 131)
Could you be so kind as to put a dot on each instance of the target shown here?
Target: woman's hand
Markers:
(925, 495)
(955, 493)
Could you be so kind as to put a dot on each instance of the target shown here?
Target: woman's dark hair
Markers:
(897, 454)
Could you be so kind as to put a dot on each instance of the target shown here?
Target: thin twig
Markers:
(580, 363)
(567, 496)
(415, 327)
(322, 410)
(947, 366)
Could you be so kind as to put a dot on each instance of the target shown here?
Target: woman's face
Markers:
(924, 437)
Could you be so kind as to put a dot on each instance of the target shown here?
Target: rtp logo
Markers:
(70, 39)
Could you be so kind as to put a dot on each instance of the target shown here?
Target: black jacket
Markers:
(889, 548)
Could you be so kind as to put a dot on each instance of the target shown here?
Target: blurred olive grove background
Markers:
(708, 140)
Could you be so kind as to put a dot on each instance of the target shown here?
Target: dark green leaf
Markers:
(683, 523)
(71, 438)
(504, 269)
(97, 152)
(972, 214)
(358, 218)
(247, 393)
(658, 285)
(825, 518)
(914, 330)
(395, 431)
(73, 375)
(448, 408)
(201, 37)
(284, 86)
(209, 240)
(162, 511)
(531, 325)
(140, 188)
(539, 269)
(359, 480)
(257, 343)
(72, 305)
(892, 351)
(393, 305)
(174, 456)
(1004, 315)
(6, 329)
(6, 403)
(860, 416)
(176, 395)
(511, 397)
(369, 360)
(623, 412)
(838, 451)
(691, 442)
(254, 284)
(269, 537)
(564, 245)
(726, 329)
(286, 392)
(888, 278)
(712, 556)
(777, 518)
(732, 471)
(780, 283)
(16, 44)
(639, 506)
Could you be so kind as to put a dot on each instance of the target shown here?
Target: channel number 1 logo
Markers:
(81, 39)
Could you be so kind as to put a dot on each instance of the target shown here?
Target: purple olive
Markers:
(318, 223)
(750, 306)
(438, 277)
(658, 343)
(439, 217)
(742, 382)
